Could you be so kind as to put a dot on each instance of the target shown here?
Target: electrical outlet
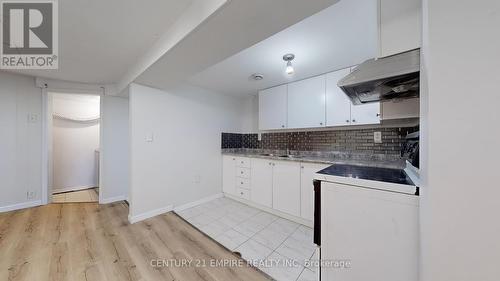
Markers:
(32, 118)
(149, 137)
(377, 137)
(31, 195)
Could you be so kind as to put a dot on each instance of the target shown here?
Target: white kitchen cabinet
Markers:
(377, 231)
(307, 171)
(286, 187)
(262, 182)
(365, 114)
(306, 103)
(399, 26)
(338, 105)
(399, 109)
(339, 109)
(273, 108)
(229, 174)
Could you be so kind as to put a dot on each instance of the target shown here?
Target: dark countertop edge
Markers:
(319, 160)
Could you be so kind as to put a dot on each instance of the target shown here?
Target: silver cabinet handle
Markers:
(241, 193)
(378, 114)
(353, 120)
(321, 123)
(282, 126)
(347, 121)
(241, 172)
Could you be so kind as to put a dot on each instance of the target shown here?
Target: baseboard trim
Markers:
(113, 199)
(198, 202)
(69, 189)
(20, 206)
(272, 211)
(149, 214)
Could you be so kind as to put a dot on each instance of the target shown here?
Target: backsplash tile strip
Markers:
(356, 140)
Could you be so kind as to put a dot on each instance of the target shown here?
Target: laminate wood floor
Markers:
(87, 241)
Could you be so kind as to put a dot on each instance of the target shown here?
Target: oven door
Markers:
(317, 212)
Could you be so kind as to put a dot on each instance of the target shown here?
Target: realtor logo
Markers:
(29, 34)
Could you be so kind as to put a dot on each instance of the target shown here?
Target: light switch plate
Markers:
(32, 118)
(377, 137)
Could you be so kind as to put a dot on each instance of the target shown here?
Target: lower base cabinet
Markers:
(262, 182)
(286, 187)
(307, 171)
(229, 174)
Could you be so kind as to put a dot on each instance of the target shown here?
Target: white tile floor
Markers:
(277, 246)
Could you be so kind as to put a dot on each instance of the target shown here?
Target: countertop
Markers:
(323, 157)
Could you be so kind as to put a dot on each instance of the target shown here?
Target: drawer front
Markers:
(243, 193)
(243, 162)
(242, 183)
(243, 172)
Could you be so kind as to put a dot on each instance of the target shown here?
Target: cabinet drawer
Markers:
(243, 162)
(243, 193)
(243, 172)
(242, 183)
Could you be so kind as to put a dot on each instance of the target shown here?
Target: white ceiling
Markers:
(99, 40)
(235, 26)
(341, 35)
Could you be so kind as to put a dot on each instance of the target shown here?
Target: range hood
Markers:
(393, 77)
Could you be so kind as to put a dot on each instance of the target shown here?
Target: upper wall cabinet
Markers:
(273, 108)
(339, 109)
(306, 103)
(401, 109)
(338, 105)
(399, 26)
(365, 114)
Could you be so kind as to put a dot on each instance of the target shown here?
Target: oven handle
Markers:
(317, 212)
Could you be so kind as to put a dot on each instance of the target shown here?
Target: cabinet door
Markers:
(273, 108)
(400, 26)
(286, 187)
(399, 109)
(262, 182)
(229, 174)
(377, 230)
(307, 171)
(306, 103)
(364, 114)
(338, 105)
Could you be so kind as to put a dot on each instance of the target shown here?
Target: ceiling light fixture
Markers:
(288, 58)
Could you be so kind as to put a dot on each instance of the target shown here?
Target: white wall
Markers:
(460, 134)
(183, 162)
(115, 164)
(74, 143)
(20, 141)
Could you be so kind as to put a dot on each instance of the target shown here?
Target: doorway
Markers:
(74, 148)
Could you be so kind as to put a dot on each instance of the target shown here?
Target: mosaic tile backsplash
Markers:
(358, 140)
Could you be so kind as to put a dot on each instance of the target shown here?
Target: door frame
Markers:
(47, 90)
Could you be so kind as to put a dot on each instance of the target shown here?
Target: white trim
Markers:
(271, 210)
(49, 86)
(19, 206)
(72, 188)
(113, 199)
(150, 214)
(45, 147)
(198, 202)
